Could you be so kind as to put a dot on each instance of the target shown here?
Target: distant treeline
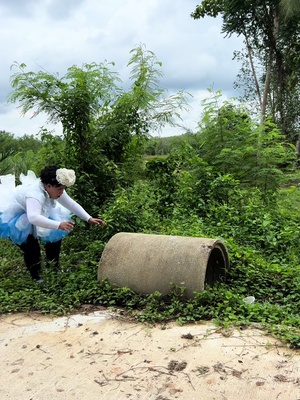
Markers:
(158, 146)
(155, 146)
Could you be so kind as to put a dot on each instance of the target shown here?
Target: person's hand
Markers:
(96, 221)
(67, 226)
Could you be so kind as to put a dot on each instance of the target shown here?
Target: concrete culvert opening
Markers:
(147, 263)
(217, 265)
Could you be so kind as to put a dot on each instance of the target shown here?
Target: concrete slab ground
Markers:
(97, 355)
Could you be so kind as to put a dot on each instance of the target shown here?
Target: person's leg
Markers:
(52, 253)
(32, 256)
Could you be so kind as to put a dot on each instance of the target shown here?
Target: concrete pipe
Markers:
(148, 263)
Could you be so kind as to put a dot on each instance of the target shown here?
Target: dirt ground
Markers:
(95, 355)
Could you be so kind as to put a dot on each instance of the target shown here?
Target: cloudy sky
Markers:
(56, 34)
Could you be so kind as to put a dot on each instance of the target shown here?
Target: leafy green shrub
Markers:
(131, 210)
(262, 239)
(256, 225)
(248, 150)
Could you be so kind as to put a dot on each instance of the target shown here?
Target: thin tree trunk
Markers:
(249, 49)
(266, 91)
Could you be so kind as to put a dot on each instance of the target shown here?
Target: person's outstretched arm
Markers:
(70, 204)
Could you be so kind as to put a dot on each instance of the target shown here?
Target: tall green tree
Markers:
(274, 41)
(103, 126)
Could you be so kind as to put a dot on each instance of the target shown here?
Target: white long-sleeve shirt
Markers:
(34, 210)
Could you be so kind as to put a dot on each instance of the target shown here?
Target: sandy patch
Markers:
(98, 356)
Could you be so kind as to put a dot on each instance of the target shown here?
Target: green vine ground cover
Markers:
(270, 272)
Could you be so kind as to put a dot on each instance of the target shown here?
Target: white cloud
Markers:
(55, 34)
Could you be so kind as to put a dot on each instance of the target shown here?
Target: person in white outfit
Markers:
(40, 210)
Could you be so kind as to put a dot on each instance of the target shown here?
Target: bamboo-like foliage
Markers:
(103, 126)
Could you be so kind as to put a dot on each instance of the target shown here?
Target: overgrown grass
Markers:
(275, 287)
(269, 271)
